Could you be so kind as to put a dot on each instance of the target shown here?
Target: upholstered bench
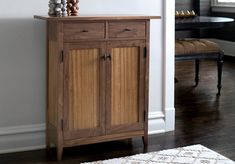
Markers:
(197, 49)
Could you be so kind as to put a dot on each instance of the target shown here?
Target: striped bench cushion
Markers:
(195, 46)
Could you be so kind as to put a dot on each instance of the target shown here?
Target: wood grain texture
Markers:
(104, 138)
(83, 88)
(97, 17)
(54, 87)
(52, 73)
(84, 98)
(125, 78)
(125, 87)
(145, 92)
(127, 29)
(60, 91)
(78, 31)
(53, 83)
(51, 136)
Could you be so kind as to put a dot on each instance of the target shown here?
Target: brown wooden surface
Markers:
(52, 110)
(145, 101)
(124, 113)
(96, 81)
(201, 118)
(52, 74)
(60, 92)
(83, 87)
(83, 94)
(91, 30)
(104, 138)
(53, 83)
(97, 17)
(125, 78)
(126, 29)
(51, 135)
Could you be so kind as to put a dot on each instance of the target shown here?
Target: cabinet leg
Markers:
(59, 153)
(145, 141)
(129, 141)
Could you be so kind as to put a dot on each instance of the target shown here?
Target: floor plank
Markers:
(201, 118)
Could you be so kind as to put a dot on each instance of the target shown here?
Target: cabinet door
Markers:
(84, 90)
(125, 98)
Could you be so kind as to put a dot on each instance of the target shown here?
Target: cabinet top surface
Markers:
(96, 17)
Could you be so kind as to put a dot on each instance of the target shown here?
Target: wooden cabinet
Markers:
(97, 79)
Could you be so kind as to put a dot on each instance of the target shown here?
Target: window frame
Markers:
(222, 4)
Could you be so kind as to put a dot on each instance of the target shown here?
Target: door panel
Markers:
(125, 78)
(84, 98)
(125, 84)
(83, 88)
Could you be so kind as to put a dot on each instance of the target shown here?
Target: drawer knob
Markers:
(84, 30)
(127, 29)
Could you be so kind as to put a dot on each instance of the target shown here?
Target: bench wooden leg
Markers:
(219, 66)
(196, 72)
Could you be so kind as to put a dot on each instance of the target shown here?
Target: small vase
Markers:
(72, 7)
(57, 8)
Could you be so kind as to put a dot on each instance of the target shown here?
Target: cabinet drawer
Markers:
(127, 29)
(77, 31)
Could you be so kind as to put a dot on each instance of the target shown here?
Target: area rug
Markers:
(195, 154)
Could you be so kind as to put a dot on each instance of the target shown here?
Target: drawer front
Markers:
(127, 29)
(78, 31)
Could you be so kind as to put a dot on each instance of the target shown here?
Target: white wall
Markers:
(22, 75)
(22, 68)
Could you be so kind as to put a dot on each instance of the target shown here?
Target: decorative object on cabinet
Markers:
(72, 7)
(57, 8)
(97, 79)
(185, 14)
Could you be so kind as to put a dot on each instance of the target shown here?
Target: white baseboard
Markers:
(157, 123)
(21, 149)
(160, 122)
(22, 138)
(32, 137)
(227, 46)
(170, 119)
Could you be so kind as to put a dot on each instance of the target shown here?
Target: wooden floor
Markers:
(201, 118)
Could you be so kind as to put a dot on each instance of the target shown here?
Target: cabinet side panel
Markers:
(53, 75)
(83, 95)
(124, 96)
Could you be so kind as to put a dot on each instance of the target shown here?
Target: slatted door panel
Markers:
(126, 71)
(84, 90)
(124, 97)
